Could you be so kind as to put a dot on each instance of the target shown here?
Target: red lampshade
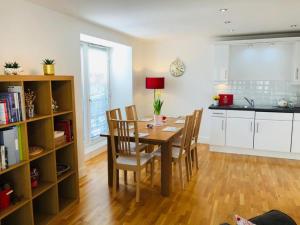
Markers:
(155, 82)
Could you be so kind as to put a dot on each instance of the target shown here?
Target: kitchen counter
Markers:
(258, 108)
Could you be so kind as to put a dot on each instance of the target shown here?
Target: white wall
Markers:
(30, 33)
(183, 94)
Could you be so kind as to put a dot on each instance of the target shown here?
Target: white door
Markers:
(273, 135)
(95, 75)
(239, 132)
(296, 137)
(217, 135)
(221, 62)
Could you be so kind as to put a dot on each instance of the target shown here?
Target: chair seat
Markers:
(131, 160)
(175, 152)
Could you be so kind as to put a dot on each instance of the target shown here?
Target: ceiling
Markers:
(154, 19)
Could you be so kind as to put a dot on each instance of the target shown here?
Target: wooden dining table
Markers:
(156, 136)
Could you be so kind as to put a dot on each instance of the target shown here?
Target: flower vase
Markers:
(157, 120)
(30, 111)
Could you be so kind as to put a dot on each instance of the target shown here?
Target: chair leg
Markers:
(190, 164)
(134, 177)
(180, 174)
(152, 171)
(114, 181)
(138, 177)
(125, 177)
(187, 168)
(196, 157)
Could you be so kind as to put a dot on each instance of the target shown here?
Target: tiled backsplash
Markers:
(263, 92)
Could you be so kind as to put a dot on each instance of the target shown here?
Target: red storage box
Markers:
(226, 99)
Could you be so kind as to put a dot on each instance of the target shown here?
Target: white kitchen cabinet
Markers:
(296, 63)
(296, 134)
(239, 132)
(218, 131)
(221, 67)
(273, 135)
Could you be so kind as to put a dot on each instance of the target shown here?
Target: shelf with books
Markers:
(67, 192)
(18, 214)
(15, 166)
(45, 206)
(11, 124)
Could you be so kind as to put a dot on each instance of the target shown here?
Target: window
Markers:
(95, 64)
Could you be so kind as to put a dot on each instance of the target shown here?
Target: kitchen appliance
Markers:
(225, 99)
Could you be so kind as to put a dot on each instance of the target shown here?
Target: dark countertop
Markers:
(258, 108)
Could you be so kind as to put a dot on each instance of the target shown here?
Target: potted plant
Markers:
(48, 66)
(216, 99)
(157, 105)
(12, 68)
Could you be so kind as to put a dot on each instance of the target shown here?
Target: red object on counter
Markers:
(226, 99)
(5, 198)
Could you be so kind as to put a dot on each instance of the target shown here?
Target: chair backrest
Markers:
(197, 123)
(114, 114)
(131, 113)
(187, 134)
(121, 137)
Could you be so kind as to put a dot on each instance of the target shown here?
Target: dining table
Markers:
(163, 136)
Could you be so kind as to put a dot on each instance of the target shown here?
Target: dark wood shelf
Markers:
(44, 153)
(41, 188)
(37, 117)
(15, 166)
(66, 202)
(63, 145)
(11, 124)
(65, 175)
(61, 113)
(42, 218)
(12, 208)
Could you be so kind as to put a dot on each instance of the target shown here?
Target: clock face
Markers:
(177, 68)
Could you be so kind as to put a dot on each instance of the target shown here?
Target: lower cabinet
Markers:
(218, 128)
(296, 137)
(239, 132)
(273, 135)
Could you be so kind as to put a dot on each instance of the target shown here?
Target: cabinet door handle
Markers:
(257, 125)
(297, 74)
(251, 127)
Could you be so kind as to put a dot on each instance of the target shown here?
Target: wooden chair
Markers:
(126, 156)
(183, 150)
(131, 113)
(197, 123)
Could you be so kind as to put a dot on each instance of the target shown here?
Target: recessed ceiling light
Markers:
(223, 10)
(227, 22)
(293, 25)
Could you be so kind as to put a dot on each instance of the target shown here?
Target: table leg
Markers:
(166, 168)
(110, 164)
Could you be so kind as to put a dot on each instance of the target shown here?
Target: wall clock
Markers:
(177, 68)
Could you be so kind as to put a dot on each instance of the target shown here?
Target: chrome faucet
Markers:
(250, 101)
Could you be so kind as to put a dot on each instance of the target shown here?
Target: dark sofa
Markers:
(273, 217)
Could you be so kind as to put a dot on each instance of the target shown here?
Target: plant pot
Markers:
(49, 70)
(12, 71)
(158, 120)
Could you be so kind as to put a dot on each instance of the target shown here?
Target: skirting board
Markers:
(253, 152)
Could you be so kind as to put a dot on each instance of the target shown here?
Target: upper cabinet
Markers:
(263, 59)
(221, 67)
(296, 62)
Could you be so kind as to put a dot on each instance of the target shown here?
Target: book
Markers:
(3, 112)
(9, 138)
(21, 105)
(66, 126)
(3, 155)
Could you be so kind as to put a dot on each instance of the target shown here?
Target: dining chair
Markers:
(182, 151)
(197, 123)
(126, 156)
(131, 113)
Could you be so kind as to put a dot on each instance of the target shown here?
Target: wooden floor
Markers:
(224, 185)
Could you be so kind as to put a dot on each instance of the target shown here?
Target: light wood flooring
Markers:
(226, 184)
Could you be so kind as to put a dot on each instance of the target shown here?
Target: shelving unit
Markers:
(40, 205)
